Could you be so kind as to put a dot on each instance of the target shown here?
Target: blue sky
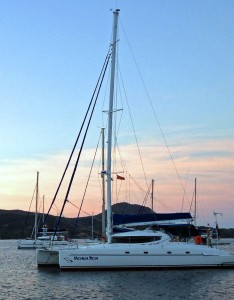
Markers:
(50, 57)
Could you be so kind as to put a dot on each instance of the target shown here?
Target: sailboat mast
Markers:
(110, 116)
(43, 209)
(36, 209)
(195, 210)
(103, 186)
(152, 195)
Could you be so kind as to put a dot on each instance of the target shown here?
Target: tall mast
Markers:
(36, 210)
(103, 186)
(110, 115)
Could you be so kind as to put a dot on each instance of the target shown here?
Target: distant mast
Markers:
(195, 209)
(110, 116)
(43, 209)
(152, 196)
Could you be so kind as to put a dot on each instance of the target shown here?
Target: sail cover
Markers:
(120, 219)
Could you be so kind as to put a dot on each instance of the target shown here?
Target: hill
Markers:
(18, 224)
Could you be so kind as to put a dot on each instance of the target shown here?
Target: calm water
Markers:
(21, 279)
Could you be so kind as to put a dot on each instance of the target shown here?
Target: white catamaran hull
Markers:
(143, 256)
(46, 257)
(127, 256)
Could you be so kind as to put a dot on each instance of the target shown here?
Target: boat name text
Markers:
(85, 258)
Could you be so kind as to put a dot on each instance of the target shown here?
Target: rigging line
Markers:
(74, 227)
(118, 89)
(30, 205)
(81, 148)
(117, 128)
(116, 146)
(118, 191)
(88, 214)
(103, 103)
(144, 201)
(26, 219)
(192, 201)
(133, 194)
(85, 227)
(67, 220)
(123, 162)
(134, 131)
(55, 208)
(140, 188)
(155, 115)
(74, 147)
(186, 182)
(161, 202)
(166, 206)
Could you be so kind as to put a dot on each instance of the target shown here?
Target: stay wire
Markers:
(134, 131)
(77, 139)
(26, 219)
(91, 169)
(81, 148)
(155, 115)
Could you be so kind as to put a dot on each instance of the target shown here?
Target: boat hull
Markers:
(110, 256)
(47, 257)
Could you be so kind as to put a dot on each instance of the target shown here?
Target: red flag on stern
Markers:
(120, 177)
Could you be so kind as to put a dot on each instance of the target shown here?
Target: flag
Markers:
(120, 177)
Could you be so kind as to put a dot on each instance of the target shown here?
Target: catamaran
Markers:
(134, 249)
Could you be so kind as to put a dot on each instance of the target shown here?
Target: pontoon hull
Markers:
(124, 256)
(47, 257)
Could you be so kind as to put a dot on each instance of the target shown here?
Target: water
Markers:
(21, 279)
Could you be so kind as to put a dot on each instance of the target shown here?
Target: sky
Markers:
(175, 93)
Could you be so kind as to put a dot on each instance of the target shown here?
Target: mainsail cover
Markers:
(121, 219)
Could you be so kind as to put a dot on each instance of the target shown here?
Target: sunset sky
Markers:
(176, 85)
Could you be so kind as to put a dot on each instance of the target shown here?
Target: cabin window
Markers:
(135, 239)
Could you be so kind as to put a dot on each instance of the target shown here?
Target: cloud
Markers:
(211, 162)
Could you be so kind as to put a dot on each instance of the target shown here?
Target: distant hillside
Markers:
(18, 224)
(126, 208)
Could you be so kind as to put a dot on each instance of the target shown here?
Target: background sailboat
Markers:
(43, 237)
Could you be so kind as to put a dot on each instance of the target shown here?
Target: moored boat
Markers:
(133, 249)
